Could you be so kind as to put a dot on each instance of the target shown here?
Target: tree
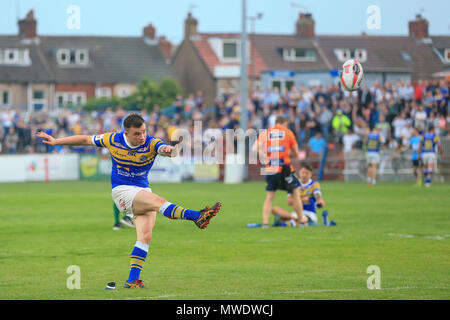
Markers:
(148, 94)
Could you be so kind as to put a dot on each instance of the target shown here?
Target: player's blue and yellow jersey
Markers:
(307, 192)
(415, 142)
(373, 142)
(429, 141)
(130, 166)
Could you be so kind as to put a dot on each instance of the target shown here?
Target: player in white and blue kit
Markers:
(414, 143)
(427, 152)
(373, 145)
(311, 196)
(133, 153)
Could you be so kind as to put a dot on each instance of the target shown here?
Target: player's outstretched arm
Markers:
(78, 140)
(167, 151)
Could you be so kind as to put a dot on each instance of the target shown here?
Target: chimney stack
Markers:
(305, 26)
(149, 32)
(166, 48)
(28, 26)
(418, 29)
(190, 26)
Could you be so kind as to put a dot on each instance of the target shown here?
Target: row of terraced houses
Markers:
(44, 72)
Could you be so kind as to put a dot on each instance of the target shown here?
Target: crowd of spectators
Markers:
(317, 115)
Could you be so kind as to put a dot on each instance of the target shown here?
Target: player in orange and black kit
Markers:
(274, 146)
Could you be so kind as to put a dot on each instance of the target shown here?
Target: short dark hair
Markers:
(306, 166)
(280, 119)
(133, 120)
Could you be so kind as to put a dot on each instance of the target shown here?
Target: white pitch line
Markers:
(290, 292)
(410, 236)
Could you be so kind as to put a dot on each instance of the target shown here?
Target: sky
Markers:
(128, 17)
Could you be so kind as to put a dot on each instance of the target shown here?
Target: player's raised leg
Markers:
(146, 201)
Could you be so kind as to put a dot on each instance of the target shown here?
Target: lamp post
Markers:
(244, 77)
(258, 16)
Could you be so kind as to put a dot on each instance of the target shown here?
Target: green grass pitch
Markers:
(405, 231)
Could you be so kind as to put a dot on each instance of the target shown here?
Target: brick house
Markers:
(47, 72)
(210, 61)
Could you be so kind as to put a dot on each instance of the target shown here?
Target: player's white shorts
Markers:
(428, 157)
(373, 157)
(311, 215)
(123, 197)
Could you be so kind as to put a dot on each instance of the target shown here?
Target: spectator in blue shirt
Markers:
(317, 144)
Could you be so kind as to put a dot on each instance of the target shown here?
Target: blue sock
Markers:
(138, 256)
(172, 211)
(428, 180)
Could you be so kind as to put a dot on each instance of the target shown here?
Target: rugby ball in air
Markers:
(351, 75)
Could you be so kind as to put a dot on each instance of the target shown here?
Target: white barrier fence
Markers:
(39, 167)
(53, 167)
(392, 167)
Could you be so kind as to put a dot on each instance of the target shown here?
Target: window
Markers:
(82, 56)
(123, 92)
(231, 50)
(345, 54)
(11, 56)
(103, 92)
(72, 57)
(359, 54)
(63, 56)
(276, 84)
(60, 100)
(38, 94)
(5, 98)
(38, 100)
(406, 56)
(15, 56)
(447, 55)
(70, 98)
(292, 54)
(282, 84)
(289, 84)
(22, 56)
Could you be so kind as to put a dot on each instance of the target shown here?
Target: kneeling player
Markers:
(311, 196)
